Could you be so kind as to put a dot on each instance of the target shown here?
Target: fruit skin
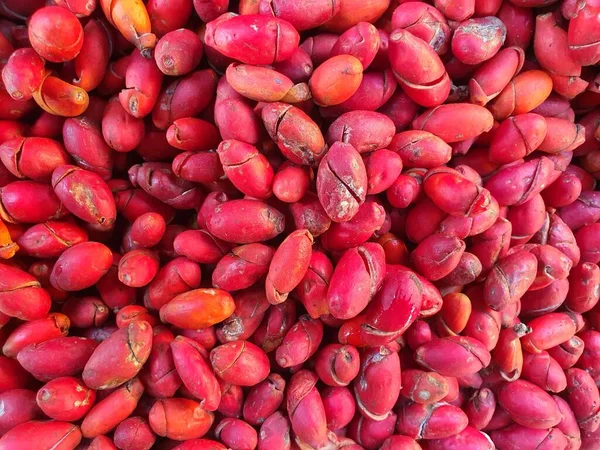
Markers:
(231, 362)
(43, 204)
(550, 330)
(192, 134)
(148, 230)
(375, 89)
(102, 443)
(235, 116)
(19, 407)
(200, 444)
(51, 239)
(200, 167)
(403, 291)
(66, 274)
(60, 98)
(495, 74)
(55, 34)
(300, 342)
(137, 268)
(468, 270)
(587, 239)
(58, 357)
(437, 256)
(176, 277)
(400, 442)
(437, 121)
(242, 267)
(198, 308)
(258, 83)
(247, 168)
(288, 265)
(336, 80)
(191, 362)
(509, 279)
(23, 74)
(368, 220)
(468, 438)
(583, 398)
(362, 41)
(563, 191)
(529, 179)
(562, 136)
(48, 434)
(301, 16)
(418, 69)
(65, 398)
(365, 265)
(524, 93)
(521, 399)
(113, 293)
(305, 409)
(179, 419)
(159, 375)
(72, 185)
(480, 408)
(477, 40)
(10, 129)
(143, 80)
(544, 371)
(423, 387)
(274, 41)
(420, 149)
(342, 162)
(107, 413)
(168, 16)
(200, 246)
(337, 364)
(21, 295)
(173, 49)
(185, 97)
(517, 436)
(275, 432)
(584, 290)
(433, 421)
(517, 137)
(245, 221)
(134, 432)
(131, 18)
(92, 62)
(298, 137)
(250, 308)
(158, 180)
(37, 331)
(371, 433)
(352, 12)
(120, 357)
(424, 22)
(376, 365)
(121, 131)
(232, 400)
(236, 433)
(264, 399)
(453, 355)
(582, 36)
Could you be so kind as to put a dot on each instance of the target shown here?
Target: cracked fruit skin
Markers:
(341, 182)
(120, 357)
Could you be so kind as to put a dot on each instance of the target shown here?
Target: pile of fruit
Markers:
(299, 224)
